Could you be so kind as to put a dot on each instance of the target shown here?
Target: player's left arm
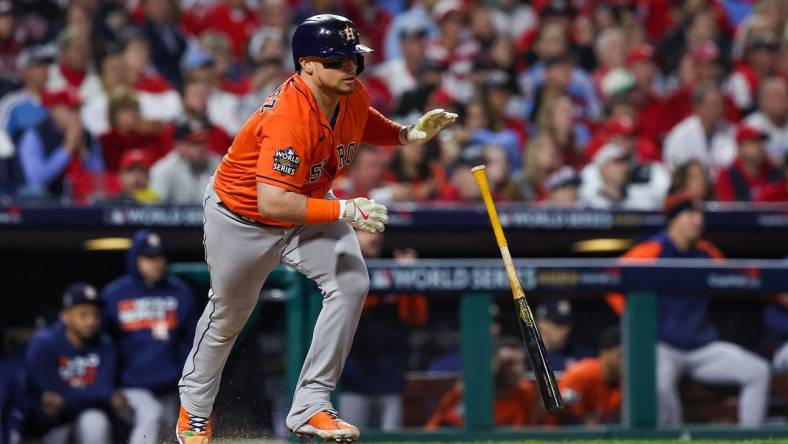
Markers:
(380, 130)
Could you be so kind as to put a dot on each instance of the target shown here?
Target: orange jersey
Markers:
(290, 143)
(585, 393)
(515, 409)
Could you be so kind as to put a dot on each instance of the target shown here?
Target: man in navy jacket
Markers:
(70, 374)
(689, 344)
(151, 317)
(775, 318)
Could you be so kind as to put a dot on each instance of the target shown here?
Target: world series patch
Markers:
(286, 161)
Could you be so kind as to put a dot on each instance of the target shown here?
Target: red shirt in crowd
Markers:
(680, 105)
(114, 143)
(237, 24)
(735, 183)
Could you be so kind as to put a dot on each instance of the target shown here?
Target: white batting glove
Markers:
(364, 214)
(429, 125)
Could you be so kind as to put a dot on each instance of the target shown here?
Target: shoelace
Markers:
(332, 413)
(197, 423)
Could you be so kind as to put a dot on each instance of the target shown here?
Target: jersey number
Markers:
(270, 102)
(346, 156)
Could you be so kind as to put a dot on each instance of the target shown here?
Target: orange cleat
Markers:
(327, 425)
(192, 429)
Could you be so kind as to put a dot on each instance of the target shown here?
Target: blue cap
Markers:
(556, 310)
(80, 293)
(196, 57)
(152, 245)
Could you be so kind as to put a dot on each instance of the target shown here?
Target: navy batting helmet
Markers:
(328, 35)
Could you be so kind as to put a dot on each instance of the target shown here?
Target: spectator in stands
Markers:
(374, 376)
(151, 318)
(419, 12)
(693, 179)
(428, 87)
(94, 113)
(772, 116)
(515, 398)
(74, 71)
(128, 131)
(10, 42)
(775, 318)
(557, 74)
(166, 41)
(70, 376)
(610, 49)
(181, 176)
(697, 28)
(233, 19)
(569, 135)
(760, 63)
(276, 14)
(499, 95)
(476, 130)
(616, 180)
(499, 174)
(196, 94)
(622, 131)
(412, 176)
(562, 188)
(555, 320)
(645, 96)
(267, 55)
(513, 19)
(222, 106)
(159, 102)
(688, 343)
(542, 158)
(372, 20)
(462, 186)
(225, 67)
(134, 179)
(392, 78)
(22, 108)
(591, 387)
(749, 177)
(704, 136)
(47, 149)
(453, 49)
(701, 65)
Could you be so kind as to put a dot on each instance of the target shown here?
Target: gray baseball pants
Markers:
(240, 255)
(717, 363)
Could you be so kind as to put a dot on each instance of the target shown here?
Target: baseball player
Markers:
(151, 317)
(688, 343)
(70, 376)
(269, 202)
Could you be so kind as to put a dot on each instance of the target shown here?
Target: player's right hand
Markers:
(364, 214)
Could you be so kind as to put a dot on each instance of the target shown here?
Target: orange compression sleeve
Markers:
(321, 211)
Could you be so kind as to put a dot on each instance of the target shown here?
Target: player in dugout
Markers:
(270, 202)
(150, 316)
(688, 343)
(516, 398)
(591, 387)
(70, 377)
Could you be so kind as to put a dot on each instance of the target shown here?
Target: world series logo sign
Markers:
(286, 161)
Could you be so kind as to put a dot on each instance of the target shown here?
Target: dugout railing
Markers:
(476, 280)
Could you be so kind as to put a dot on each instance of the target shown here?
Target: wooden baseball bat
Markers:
(545, 378)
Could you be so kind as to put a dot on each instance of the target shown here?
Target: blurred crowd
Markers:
(599, 103)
